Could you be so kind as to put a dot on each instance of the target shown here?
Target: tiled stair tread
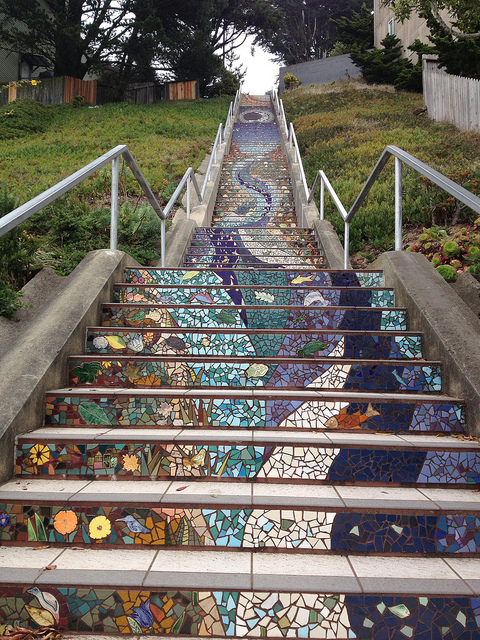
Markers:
(251, 306)
(202, 437)
(250, 287)
(178, 569)
(373, 499)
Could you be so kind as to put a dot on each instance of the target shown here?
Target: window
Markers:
(391, 27)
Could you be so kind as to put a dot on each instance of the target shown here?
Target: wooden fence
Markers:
(451, 99)
(51, 90)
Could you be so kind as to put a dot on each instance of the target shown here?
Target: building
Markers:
(407, 32)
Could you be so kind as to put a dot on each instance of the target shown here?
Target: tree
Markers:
(356, 30)
(72, 35)
(465, 14)
(308, 30)
(457, 44)
(382, 66)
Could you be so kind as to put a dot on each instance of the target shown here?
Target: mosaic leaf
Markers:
(134, 626)
(225, 317)
(92, 413)
(116, 342)
(178, 624)
(86, 372)
(189, 275)
(32, 536)
(264, 297)
(312, 347)
(42, 617)
(41, 535)
(256, 370)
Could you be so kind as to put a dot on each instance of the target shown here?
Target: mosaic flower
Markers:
(100, 527)
(4, 519)
(100, 342)
(164, 409)
(39, 454)
(130, 462)
(136, 344)
(148, 337)
(65, 522)
(143, 615)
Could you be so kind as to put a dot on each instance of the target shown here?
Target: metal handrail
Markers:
(401, 157)
(220, 139)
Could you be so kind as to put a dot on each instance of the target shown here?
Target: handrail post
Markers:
(346, 246)
(322, 199)
(398, 204)
(114, 203)
(188, 197)
(163, 241)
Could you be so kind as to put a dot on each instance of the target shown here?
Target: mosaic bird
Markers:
(133, 525)
(47, 601)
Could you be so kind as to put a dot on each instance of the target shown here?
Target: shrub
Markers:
(22, 117)
(447, 272)
(291, 82)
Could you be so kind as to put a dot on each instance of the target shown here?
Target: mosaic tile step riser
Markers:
(254, 296)
(157, 410)
(278, 277)
(193, 316)
(242, 614)
(257, 249)
(320, 464)
(120, 526)
(237, 343)
(128, 372)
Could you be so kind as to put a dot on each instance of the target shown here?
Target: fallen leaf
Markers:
(182, 488)
(214, 495)
(50, 567)
(46, 546)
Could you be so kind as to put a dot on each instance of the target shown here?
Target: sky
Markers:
(261, 73)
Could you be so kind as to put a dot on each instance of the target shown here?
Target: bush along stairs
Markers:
(270, 426)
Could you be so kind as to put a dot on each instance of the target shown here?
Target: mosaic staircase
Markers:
(248, 448)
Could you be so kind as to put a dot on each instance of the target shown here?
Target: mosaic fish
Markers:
(301, 279)
(315, 297)
(202, 297)
(343, 420)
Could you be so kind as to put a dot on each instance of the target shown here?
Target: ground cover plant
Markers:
(39, 146)
(343, 129)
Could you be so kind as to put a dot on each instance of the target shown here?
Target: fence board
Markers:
(451, 99)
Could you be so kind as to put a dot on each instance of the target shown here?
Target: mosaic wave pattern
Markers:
(253, 333)
(249, 614)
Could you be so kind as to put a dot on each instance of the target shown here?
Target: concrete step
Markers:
(262, 517)
(330, 458)
(281, 277)
(254, 295)
(258, 262)
(254, 317)
(256, 408)
(267, 595)
(266, 342)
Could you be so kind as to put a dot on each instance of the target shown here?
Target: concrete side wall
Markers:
(322, 71)
(37, 359)
(307, 213)
(450, 329)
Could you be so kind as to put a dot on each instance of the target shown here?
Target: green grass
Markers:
(39, 146)
(344, 132)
